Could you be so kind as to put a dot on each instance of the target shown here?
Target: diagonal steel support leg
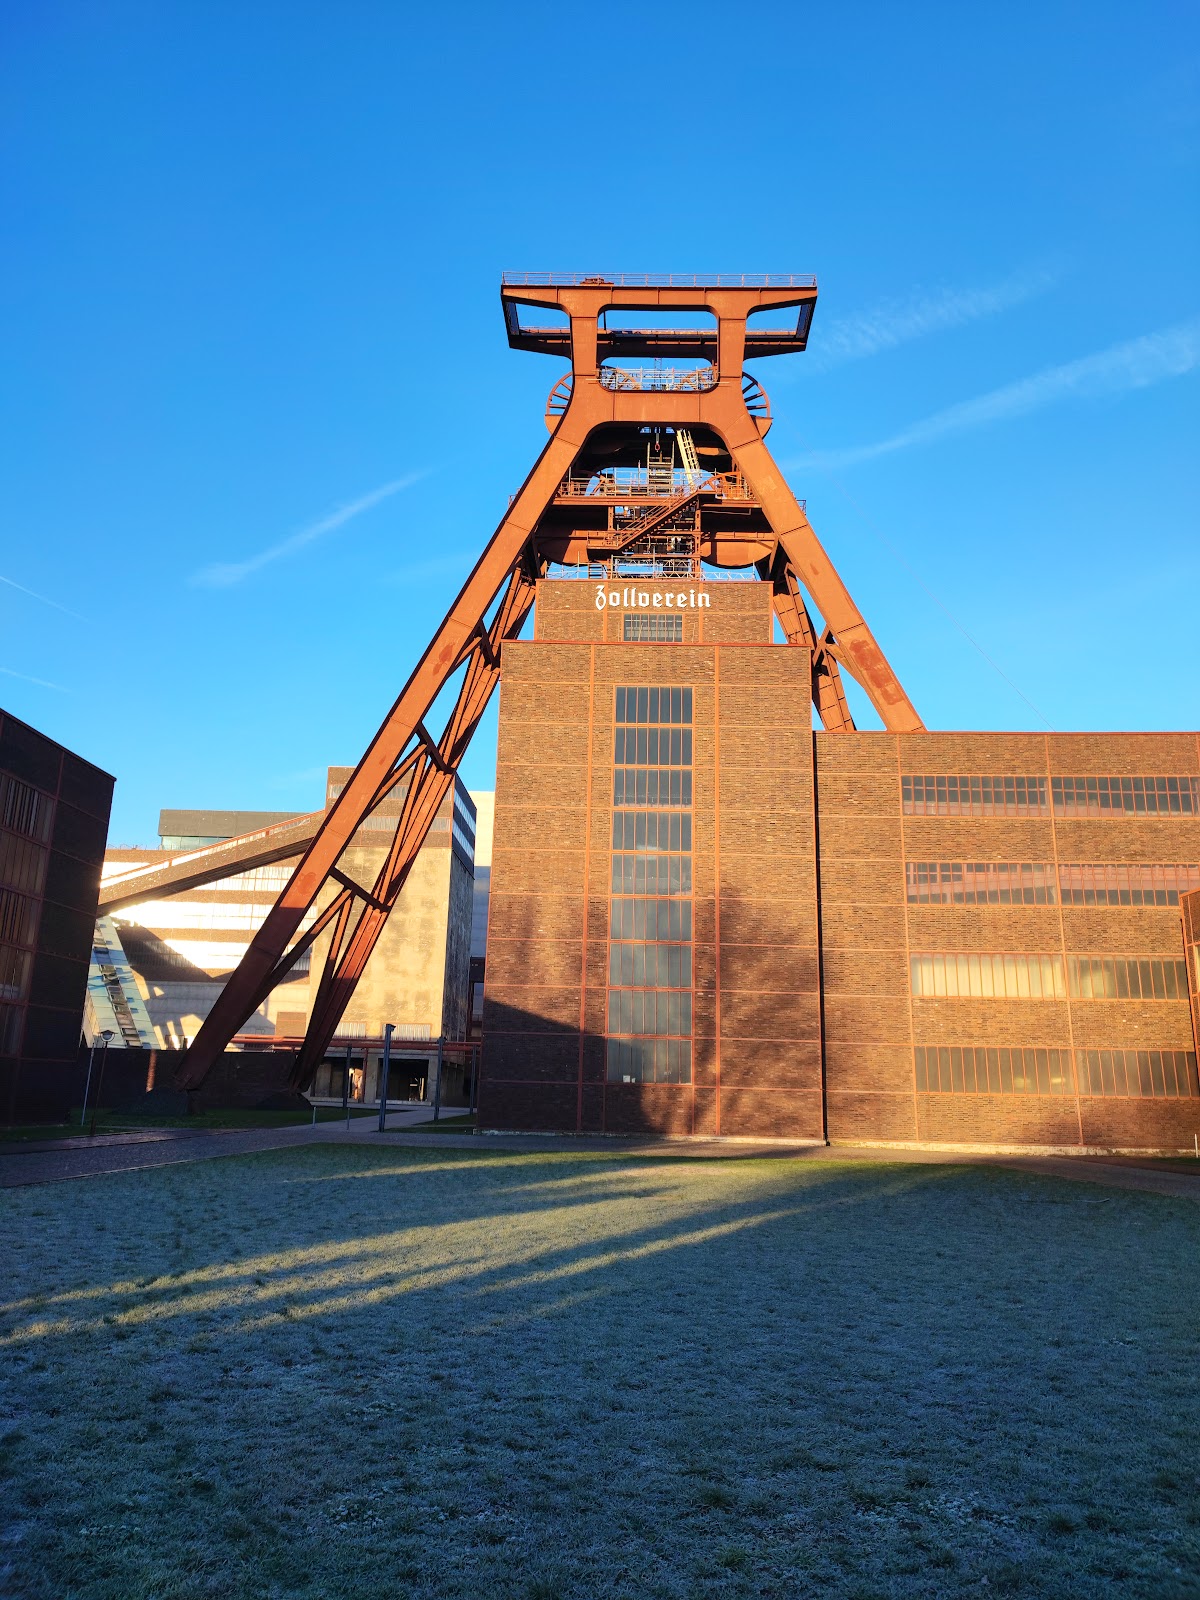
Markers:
(828, 692)
(431, 782)
(457, 636)
(858, 651)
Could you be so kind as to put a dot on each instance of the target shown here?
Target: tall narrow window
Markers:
(650, 922)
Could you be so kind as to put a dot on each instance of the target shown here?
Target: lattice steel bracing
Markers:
(616, 489)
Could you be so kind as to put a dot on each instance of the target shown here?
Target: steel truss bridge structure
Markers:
(657, 468)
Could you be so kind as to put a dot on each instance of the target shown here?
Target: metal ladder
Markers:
(687, 454)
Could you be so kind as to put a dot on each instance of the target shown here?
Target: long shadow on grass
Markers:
(475, 1239)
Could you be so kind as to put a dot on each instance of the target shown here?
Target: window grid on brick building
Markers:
(983, 975)
(954, 795)
(26, 823)
(14, 972)
(965, 795)
(1035, 883)
(1127, 978)
(24, 809)
(1149, 1074)
(970, 883)
(1126, 797)
(1122, 883)
(985, 1069)
(649, 999)
(22, 863)
(989, 975)
(653, 630)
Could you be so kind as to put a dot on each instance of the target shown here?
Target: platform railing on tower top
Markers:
(652, 569)
(660, 280)
(659, 379)
(615, 482)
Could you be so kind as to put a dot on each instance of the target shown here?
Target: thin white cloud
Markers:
(33, 595)
(1136, 364)
(225, 575)
(42, 683)
(894, 322)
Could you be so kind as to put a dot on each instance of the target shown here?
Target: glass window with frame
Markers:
(988, 976)
(983, 1069)
(25, 809)
(955, 795)
(1126, 797)
(1127, 978)
(1036, 883)
(986, 1069)
(649, 1011)
(1150, 1074)
(22, 863)
(1123, 883)
(980, 883)
(653, 630)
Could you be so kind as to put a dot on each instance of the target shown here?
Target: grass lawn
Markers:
(342, 1372)
(133, 1122)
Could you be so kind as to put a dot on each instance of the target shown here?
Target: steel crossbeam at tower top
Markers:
(659, 469)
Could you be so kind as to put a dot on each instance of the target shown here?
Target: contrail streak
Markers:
(224, 575)
(1136, 364)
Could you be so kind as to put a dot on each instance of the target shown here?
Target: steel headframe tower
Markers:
(648, 470)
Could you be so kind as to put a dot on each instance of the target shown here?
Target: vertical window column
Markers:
(650, 918)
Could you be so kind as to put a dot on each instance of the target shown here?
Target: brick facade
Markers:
(54, 810)
(805, 1022)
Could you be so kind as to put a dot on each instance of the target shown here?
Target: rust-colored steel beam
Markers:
(370, 778)
(828, 694)
(722, 408)
(209, 864)
(857, 646)
(431, 781)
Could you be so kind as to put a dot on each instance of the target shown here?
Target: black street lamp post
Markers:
(105, 1036)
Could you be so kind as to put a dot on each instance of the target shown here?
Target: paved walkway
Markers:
(92, 1158)
(53, 1161)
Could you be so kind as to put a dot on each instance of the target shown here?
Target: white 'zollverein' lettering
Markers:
(643, 599)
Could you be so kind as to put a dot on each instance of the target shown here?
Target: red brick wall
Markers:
(869, 930)
(756, 1047)
(772, 1053)
(712, 613)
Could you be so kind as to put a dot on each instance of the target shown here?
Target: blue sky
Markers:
(251, 315)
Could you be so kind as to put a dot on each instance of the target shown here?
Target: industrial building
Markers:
(179, 944)
(54, 809)
(707, 918)
(718, 905)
